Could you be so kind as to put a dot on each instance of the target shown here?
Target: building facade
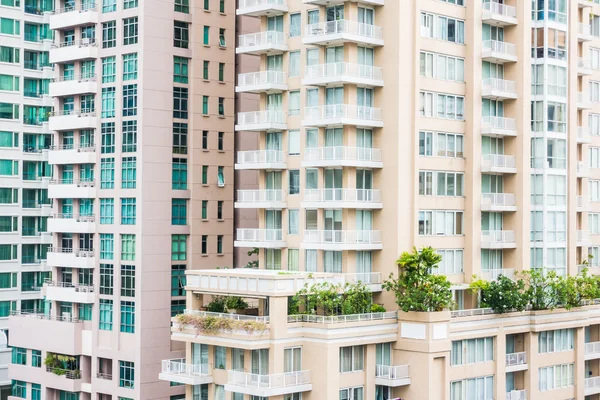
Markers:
(140, 179)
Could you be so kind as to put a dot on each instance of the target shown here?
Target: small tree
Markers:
(416, 289)
(502, 295)
(253, 263)
(356, 299)
(545, 290)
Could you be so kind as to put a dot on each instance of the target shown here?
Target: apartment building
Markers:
(140, 151)
(465, 125)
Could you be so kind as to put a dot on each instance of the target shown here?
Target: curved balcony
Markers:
(336, 156)
(261, 198)
(498, 52)
(73, 85)
(69, 17)
(84, 49)
(499, 164)
(261, 238)
(258, 121)
(71, 120)
(494, 13)
(268, 385)
(177, 370)
(70, 154)
(342, 198)
(71, 258)
(342, 73)
(267, 42)
(69, 223)
(342, 240)
(392, 376)
(262, 8)
(262, 82)
(343, 31)
(498, 239)
(498, 126)
(342, 114)
(72, 189)
(261, 159)
(498, 89)
(498, 202)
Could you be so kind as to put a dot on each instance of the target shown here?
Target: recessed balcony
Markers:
(583, 134)
(583, 204)
(498, 202)
(84, 14)
(262, 8)
(584, 67)
(69, 292)
(72, 189)
(592, 350)
(261, 159)
(583, 101)
(342, 114)
(342, 198)
(72, 120)
(584, 32)
(498, 126)
(261, 198)
(70, 154)
(392, 376)
(258, 121)
(583, 170)
(71, 258)
(583, 238)
(498, 239)
(494, 274)
(497, 14)
(592, 386)
(339, 240)
(261, 238)
(516, 395)
(69, 223)
(334, 74)
(267, 42)
(339, 2)
(498, 89)
(73, 85)
(177, 370)
(268, 385)
(499, 164)
(84, 49)
(343, 31)
(342, 156)
(516, 361)
(498, 52)
(262, 82)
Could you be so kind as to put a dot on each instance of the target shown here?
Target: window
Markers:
(129, 100)
(128, 173)
(452, 262)
(108, 69)
(220, 357)
(179, 247)
(294, 103)
(474, 388)
(221, 6)
(129, 4)
(7, 306)
(8, 252)
(129, 136)
(107, 173)
(178, 211)
(178, 280)
(106, 315)
(36, 358)
(448, 106)
(130, 66)
(351, 358)
(556, 341)
(439, 183)
(128, 211)
(354, 393)
(220, 141)
(442, 28)
(128, 247)
(9, 55)
(19, 356)
(556, 377)
(10, 26)
(10, 83)
(107, 246)
(108, 103)
(221, 72)
(204, 209)
(293, 222)
(205, 69)
(130, 30)
(205, 140)
(294, 67)
(109, 34)
(181, 38)
(205, 174)
(179, 174)
(128, 280)
(206, 36)
(294, 182)
(9, 111)
(204, 249)
(126, 374)
(221, 106)
(107, 211)
(107, 137)
(181, 69)
(440, 66)
(295, 23)
(470, 351)
(219, 210)
(177, 307)
(127, 316)
(440, 223)
(222, 40)
(182, 6)
(180, 133)
(106, 279)
(9, 139)
(19, 389)
(180, 102)
(9, 224)
(206, 5)
(219, 244)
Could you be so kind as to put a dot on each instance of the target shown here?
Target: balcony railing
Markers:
(584, 29)
(261, 117)
(344, 27)
(583, 133)
(582, 167)
(236, 317)
(87, 42)
(260, 196)
(272, 381)
(342, 237)
(69, 250)
(256, 3)
(86, 112)
(80, 8)
(262, 78)
(78, 288)
(79, 78)
(582, 98)
(78, 182)
(499, 9)
(499, 161)
(501, 85)
(340, 153)
(105, 376)
(368, 278)
(341, 69)
(493, 274)
(264, 38)
(343, 111)
(499, 199)
(80, 148)
(343, 195)
(516, 395)
(500, 237)
(583, 236)
(62, 318)
(496, 46)
(584, 63)
(342, 319)
(592, 383)
(259, 235)
(592, 347)
(178, 366)
(261, 157)
(392, 372)
(67, 373)
(516, 359)
(78, 218)
(471, 312)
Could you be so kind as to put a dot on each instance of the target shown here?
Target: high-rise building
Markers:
(141, 117)
(465, 125)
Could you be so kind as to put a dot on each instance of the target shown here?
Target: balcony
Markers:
(73, 85)
(267, 42)
(516, 395)
(583, 134)
(342, 114)
(583, 238)
(338, 2)
(498, 126)
(268, 385)
(69, 292)
(343, 31)
(498, 202)
(592, 350)
(261, 159)
(342, 198)
(392, 376)
(84, 14)
(262, 198)
(584, 66)
(72, 155)
(262, 8)
(339, 240)
(72, 189)
(60, 335)
(262, 82)
(583, 171)
(258, 121)
(178, 371)
(71, 258)
(340, 156)
(592, 386)
(56, 378)
(498, 89)
(70, 223)
(494, 274)
(72, 120)
(342, 73)
(584, 32)
(583, 101)
(583, 204)
(498, 239)
(516, 362)
(498, 52)
(498, 164)
(497, 14)
(84, 49)
(261, 238)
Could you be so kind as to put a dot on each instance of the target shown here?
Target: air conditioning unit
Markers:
(85, 41)
(66, 316)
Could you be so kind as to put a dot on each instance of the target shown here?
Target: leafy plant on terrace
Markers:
(209, 324)
(328, 299)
